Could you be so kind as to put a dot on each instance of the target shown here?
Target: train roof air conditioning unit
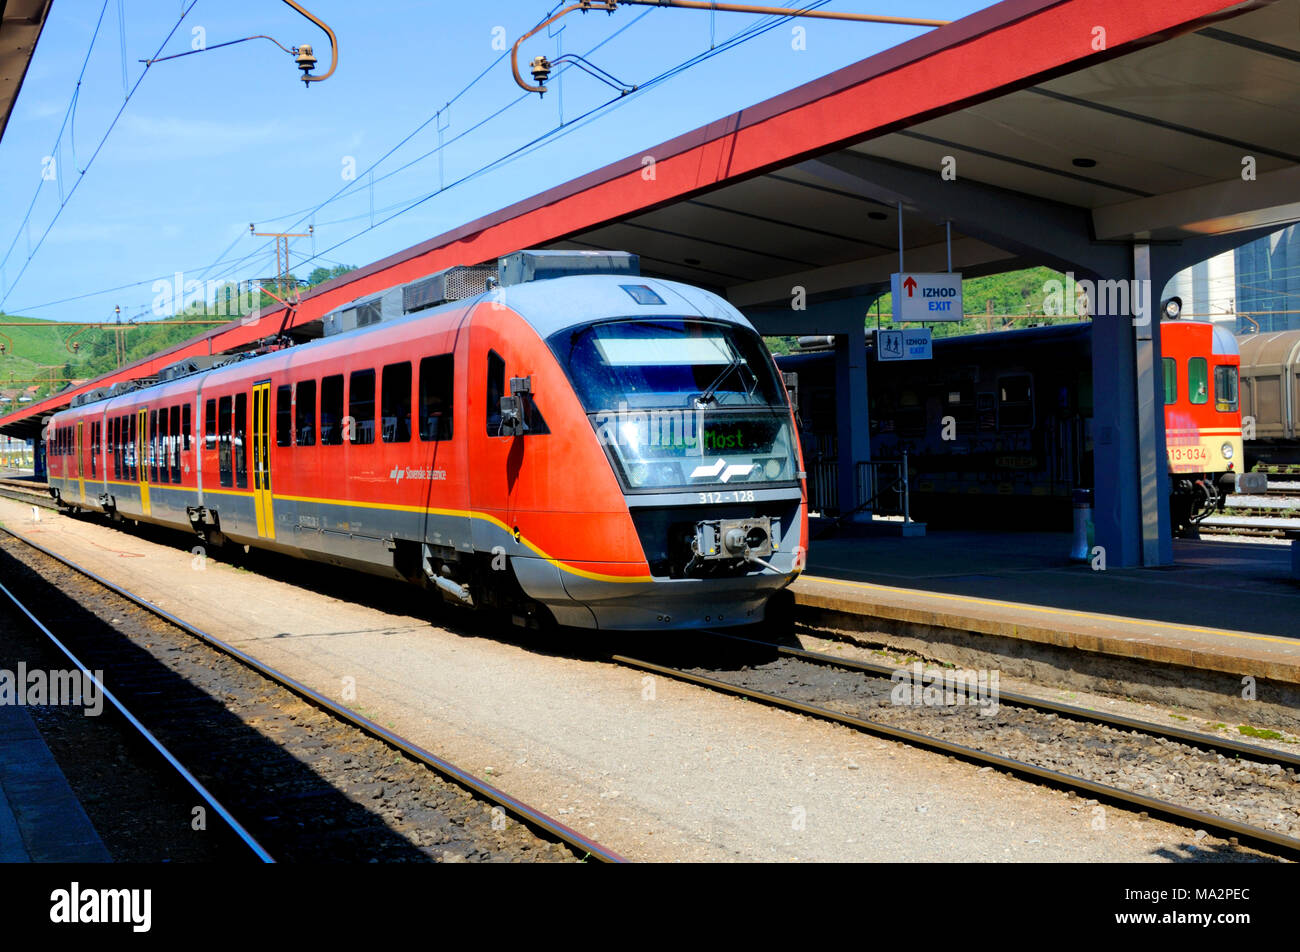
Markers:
(364, 311)
(524, 266)
(453, 284)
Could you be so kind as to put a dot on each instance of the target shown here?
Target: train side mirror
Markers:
(512, 417)
(512, 407)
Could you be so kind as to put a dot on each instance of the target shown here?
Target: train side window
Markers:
(94, 447)
(210, 425)
(158, 459)
(1169, 370)
(1016, 402)
(153, 446)
(164, 445)
(959, 403)
(361, 405)
(534, 423)
(240, 431)
(496, 389)
(1225, 388)
(395, 400)
(132, 463)
(284, 415)
(114, 448)
(187, 427)
(304, 414)
(331, 410)
(227, 477)
(437, 380)
(176, 444)
(1198, 380)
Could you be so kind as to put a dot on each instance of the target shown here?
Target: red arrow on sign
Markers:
(910, 284)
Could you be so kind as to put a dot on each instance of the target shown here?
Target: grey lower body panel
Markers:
(656, 603)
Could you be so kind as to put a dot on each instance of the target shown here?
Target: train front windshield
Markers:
(682, 404)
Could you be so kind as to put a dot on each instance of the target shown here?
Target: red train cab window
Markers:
(496, 389)
(1169, 370)
(1198, 380)
(534, 422)
(1225, 388)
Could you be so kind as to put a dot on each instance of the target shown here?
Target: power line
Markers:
(111, 126)
(742, 36)
(58, 139)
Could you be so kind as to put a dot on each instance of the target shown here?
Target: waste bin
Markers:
(1081, 544)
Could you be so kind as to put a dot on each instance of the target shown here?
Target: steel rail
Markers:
(1195, 738)
(532, 818)
(236, 827)
(1243, 832)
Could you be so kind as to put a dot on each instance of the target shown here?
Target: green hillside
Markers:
(48, 354)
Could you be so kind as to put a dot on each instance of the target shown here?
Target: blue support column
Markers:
(852, 413)
(1131, 498)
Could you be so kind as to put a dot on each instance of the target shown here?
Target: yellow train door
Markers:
(262, 499)
(142, 459)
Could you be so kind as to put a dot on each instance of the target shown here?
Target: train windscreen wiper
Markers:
(708, 394)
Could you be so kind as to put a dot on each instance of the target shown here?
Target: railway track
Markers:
(207, 799)
(1273, 516)
(26, 490)
(307, 778)
(1244, 792)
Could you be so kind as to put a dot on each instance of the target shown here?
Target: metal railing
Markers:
(880, 486)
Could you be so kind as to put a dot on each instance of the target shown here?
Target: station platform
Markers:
(1228, 608)
(41, 820)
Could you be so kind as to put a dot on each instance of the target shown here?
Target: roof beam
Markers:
(1218, 208)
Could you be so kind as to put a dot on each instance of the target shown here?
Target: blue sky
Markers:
(211, 142)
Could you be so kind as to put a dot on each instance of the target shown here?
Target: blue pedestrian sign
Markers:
(913, 344)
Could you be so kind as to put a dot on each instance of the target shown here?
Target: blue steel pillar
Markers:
(1131, 499)
(852, 414)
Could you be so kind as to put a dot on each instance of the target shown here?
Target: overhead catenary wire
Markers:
(103, 139)
(742, 36)
(565, 128)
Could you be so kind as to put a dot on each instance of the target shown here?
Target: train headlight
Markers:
(772, 469)
(1226, 450)
(637, 473)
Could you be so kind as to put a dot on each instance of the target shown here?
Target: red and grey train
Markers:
(558, 435)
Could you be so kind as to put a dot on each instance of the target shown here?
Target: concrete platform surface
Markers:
(1222, 606)
(41, 820)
